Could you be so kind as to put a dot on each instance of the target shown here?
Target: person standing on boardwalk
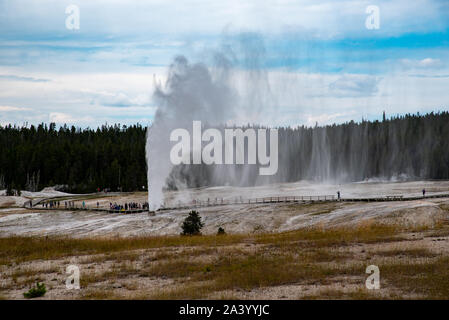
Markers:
(423, 192)
(338, 195)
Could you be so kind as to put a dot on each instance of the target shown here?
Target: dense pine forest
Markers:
(77, 160)
(113, 157)
(405, 147)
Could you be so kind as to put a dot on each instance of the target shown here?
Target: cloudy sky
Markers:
(321, 63)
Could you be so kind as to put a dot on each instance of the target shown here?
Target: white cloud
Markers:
(121, 99)
(83, 98)
(61, 118)
(427, 63)
(11, 108)
(12, 77)
(354, 85)
(325, 118)
(131, 17)
(294, 98)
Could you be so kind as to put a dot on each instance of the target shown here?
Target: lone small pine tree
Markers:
(192, 224)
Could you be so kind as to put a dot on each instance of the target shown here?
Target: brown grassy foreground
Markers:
(306, 264)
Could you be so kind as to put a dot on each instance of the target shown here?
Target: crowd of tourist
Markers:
(51, 204)
(128, 206)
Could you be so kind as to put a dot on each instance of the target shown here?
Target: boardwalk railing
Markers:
(235, 201)
(240, 200)
(87, 208)
(72, 206)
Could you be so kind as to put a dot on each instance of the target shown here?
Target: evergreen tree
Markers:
(192, 225)
(112, 157)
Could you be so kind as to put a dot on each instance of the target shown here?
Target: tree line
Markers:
(113, 157)
(76, 160)
(407, 147)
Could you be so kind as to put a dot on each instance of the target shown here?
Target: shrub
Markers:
(35, 292)
(192, 224)
(221, 231)
(208, 269)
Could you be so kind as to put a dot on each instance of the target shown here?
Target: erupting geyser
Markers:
(208, 94)
(191, 92)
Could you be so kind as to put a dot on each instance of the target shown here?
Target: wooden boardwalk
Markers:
(87, 208)
(395, 198)
(236, 201)
(195, 204)
(296, 199)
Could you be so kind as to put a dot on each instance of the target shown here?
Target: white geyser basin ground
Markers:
(237, 218)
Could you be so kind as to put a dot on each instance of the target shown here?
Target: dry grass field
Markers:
(311, 263)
